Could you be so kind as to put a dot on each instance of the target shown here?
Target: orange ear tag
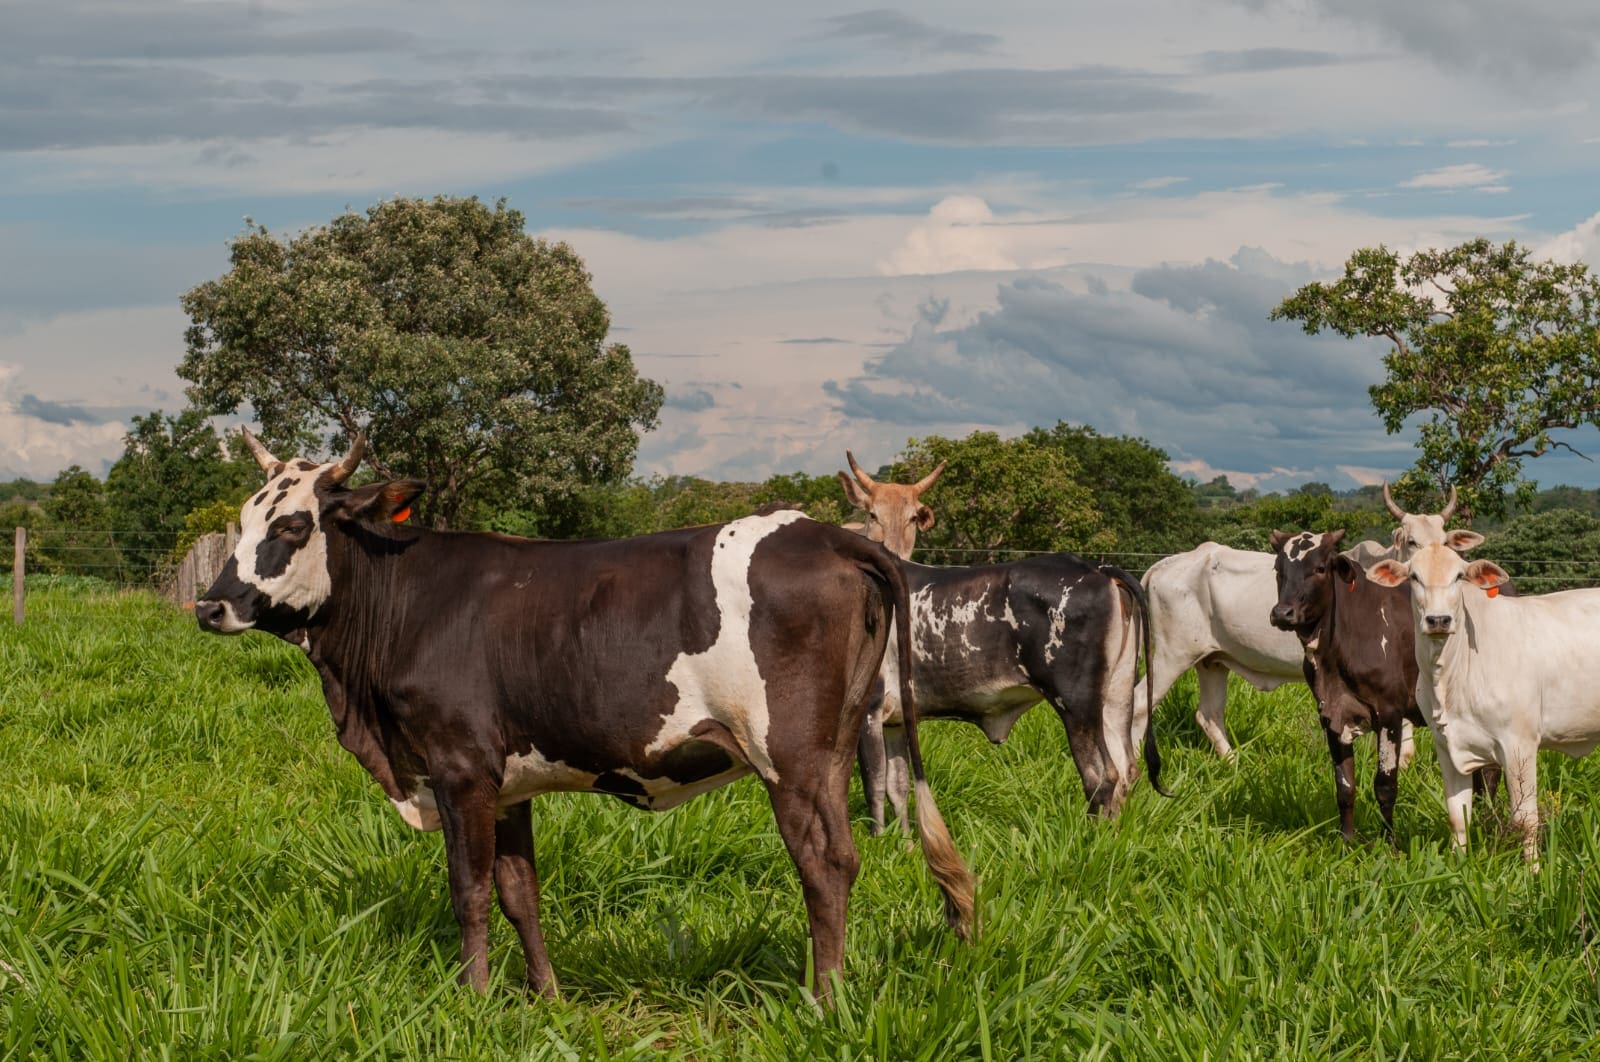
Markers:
(1352, 586)
(402, 516)
(1493, 591)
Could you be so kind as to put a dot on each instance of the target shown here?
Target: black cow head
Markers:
(278, 577)
(1308, 566)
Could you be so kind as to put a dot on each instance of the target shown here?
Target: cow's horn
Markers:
(1394, 510)
(927, 481)
(861, 477)
(352, 460)
(262, 455)
(1449, 506)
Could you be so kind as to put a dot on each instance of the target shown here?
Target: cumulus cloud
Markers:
(1581, 243)
(957, 236)
(39, 439)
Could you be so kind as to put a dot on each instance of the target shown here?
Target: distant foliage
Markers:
(81, 539)
(1547, 551)
(1147, 507)
(1000, 495)
(171, 466)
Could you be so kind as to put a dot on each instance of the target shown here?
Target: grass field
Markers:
(190, 866)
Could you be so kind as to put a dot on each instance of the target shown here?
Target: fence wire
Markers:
(115, 560)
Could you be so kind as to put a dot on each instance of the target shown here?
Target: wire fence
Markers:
(93, 562)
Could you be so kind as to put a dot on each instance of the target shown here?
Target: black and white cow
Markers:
(991, 641)
(471, 672)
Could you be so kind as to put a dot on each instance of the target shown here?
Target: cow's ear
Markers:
(380, 503)
(924, 517)
(1346, 570)
(1461, 541)
(1487, 575)
(1332, 537)
(853, 492)
(1389, 573)
(1279, 538)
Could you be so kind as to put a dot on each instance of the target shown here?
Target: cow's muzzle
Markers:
(1285, 617)
(217, 617)
(1438, 625)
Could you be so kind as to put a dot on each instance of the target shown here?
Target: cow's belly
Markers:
(686, 770)
(995, 705)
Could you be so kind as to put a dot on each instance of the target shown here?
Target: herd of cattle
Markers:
(470, 672)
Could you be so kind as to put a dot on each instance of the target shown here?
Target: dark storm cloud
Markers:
(895, 29)
(1186, 358)
(56, 412)
(692, 401)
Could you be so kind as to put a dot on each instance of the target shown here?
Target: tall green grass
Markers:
(190, 866)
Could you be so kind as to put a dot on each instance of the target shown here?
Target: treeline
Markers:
(1062, 488)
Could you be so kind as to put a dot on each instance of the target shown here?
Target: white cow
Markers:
(1501, 677)
(1210, 610)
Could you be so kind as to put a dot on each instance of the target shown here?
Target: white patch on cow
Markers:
(1388, 753)
(304, 583)
(664, 793)
(1383, 644)
(1305, 543)
(420, 810)
(530, 774)
(1350, 732)
(724, 683)
(1058, 626)
(1009, 616)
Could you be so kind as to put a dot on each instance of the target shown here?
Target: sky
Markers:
(818, 225)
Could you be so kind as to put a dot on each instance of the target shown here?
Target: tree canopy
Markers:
(473, 355)
(1497, 350)
(998, 495)
(1146, 506)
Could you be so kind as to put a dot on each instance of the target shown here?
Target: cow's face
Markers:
(278, 578)
(1417, 531)
(895, 512)
(1438, 576)
(1304, 564)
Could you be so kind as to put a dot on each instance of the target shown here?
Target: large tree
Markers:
(473, 355)
(1497, 350)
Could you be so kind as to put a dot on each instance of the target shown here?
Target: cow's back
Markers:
(1217, 600)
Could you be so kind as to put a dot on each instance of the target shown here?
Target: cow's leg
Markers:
(1213, 683)
(1086, 738)
(1485, 780)
(899, 774)
(1457, 792)
(814, 819)
(466, 810)
(1522, 782)
(1342, 753)
(1408, 744)
(517, 881)
(1386, 779)
(873, 762)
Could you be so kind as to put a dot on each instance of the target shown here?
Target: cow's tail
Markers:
(944, 862)
(1142, 634)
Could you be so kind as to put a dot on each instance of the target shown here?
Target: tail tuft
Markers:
(946, 864)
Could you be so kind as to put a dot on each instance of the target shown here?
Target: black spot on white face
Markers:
(286, 536)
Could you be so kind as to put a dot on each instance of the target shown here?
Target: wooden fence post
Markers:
(19, 575)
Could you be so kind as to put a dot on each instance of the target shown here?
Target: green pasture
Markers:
(191, 867)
